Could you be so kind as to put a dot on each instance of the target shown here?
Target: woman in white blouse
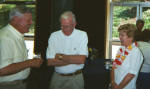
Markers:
(128, 60)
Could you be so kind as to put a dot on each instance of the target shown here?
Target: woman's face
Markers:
(140, 26)
(124, 39)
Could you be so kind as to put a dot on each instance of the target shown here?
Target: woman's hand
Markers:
(114, 86)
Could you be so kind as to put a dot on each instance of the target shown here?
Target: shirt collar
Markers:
(73, 32)
(15, 31)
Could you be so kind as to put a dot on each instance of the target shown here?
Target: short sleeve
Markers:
(83, 48)
(135, 61)
(50, 53)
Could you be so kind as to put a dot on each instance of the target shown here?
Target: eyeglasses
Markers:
(67, 26)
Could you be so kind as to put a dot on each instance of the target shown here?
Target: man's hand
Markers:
(35, 62)
(17, 67)
(57, 61)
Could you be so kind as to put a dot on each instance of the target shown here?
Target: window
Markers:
(121, 13)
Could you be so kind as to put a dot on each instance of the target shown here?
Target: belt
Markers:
(72, 74)
(12, 82)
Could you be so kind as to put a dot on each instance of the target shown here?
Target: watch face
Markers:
(60, 57)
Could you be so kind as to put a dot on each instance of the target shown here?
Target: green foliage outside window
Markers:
(122, 15)
(146, 18)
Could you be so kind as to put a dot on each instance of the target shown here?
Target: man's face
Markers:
(67, 25)
(25, 22)
(140, 26)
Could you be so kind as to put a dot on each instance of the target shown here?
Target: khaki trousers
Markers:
(67, 82)
(16, 85)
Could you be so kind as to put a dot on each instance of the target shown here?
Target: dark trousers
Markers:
(143, 81)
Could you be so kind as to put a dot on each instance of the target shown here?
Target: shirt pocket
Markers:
(73, 49)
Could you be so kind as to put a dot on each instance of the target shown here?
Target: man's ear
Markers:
(16, 19)
(75, 24)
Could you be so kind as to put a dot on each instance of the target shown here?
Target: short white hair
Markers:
(18, 11)
(67, 14)
(14, 13)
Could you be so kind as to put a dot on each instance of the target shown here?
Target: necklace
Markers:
(121, 55)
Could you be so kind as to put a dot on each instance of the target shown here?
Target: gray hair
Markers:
(67, 14)
(19, 10)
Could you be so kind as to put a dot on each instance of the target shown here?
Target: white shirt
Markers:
(12, 50)
(74, 44)
(145, 48)
(131, 64)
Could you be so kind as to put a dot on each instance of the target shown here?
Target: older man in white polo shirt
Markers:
(67, 51)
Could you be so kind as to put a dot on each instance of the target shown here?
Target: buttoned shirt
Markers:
(131, 64)
(12, 50)
(74, 44)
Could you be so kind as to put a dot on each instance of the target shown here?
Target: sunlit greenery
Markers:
(4, 15)
(122, 15)
(146, 18)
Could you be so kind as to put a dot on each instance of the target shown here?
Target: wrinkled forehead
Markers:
(27, 14)
(122, 31)
(67, 18)
(66, 21)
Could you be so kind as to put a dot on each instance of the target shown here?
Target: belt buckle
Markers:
(75, 73)
(72, 74)
(78, 72)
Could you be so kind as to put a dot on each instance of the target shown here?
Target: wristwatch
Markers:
(112, 82)
(60, 57)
